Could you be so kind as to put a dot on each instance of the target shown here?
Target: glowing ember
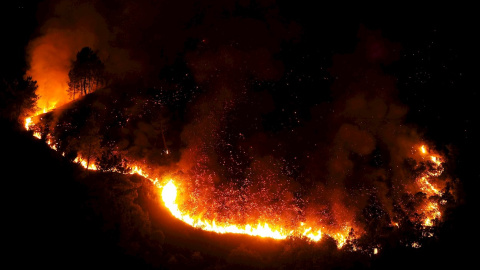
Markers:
(416, 245)
(436, 160)
(432, 211)
(262, 229)
(169, 196)
(172, 192)
(51, 143)
(235, 142)
(427, 187)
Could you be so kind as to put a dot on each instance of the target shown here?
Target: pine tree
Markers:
(87, 73)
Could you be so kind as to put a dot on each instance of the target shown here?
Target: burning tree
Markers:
(86, 74)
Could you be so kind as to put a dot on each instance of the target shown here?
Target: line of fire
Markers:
(250, 134)
(261, 206)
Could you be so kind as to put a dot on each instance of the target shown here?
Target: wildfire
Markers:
(262, 229)
(51, 143)
(428, 187)
(49, 107)
(436, 160)
(313, 236)
(431, 211)
(170, 191)
(37, 135)
(265, 229)
(87, 164)
(169, 196)
(29, 120)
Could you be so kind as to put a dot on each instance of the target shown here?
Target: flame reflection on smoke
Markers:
(170, 192)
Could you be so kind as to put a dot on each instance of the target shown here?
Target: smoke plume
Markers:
(206, 82)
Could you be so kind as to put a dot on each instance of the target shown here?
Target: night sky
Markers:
(251, 89)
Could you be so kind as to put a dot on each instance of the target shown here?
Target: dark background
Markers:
(45, 212)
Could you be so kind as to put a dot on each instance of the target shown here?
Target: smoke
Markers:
(240, 154)
(69, 27)
(50, 55)
(136, 40)
(343, 168)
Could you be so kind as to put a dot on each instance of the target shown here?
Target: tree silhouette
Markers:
(87, 142)
(17, 98)
(87, 73)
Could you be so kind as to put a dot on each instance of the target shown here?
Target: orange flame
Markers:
(169, 196)
(170, 192)
(37, 135)
(431, 211)
(85, 164)
(28, 123)
(262, 229)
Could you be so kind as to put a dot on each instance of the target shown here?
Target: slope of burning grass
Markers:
(63, 215)
(110, 123)
(370, 175)
(58, 213)
(123, 131)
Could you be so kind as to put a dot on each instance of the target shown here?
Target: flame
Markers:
(436, 160)
(28, 122)
(341, 238)
(313, 236)
(432, 210)
(416, 245)
(171, 195)
(37, 135)
(49, 106)
(51, 143)
(83, 162)
(426, 186)
(261, 229)
(138, 170)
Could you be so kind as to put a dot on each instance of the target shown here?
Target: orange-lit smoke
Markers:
(340, 190)
(51, 54)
